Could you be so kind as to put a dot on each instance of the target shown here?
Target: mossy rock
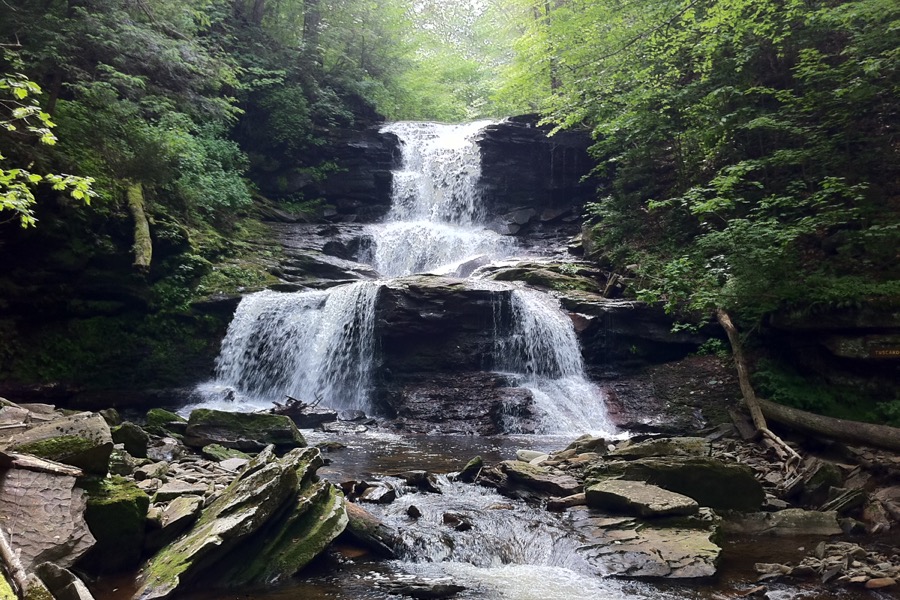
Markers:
(160, 417)
(711, 482)
(219, 453)
(81, 440)
(258, 494)
(289, 542)
(242, 431)
(6, 591)
(116, 514)
(547, 278)
(133, 437)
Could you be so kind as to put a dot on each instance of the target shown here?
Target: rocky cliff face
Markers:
(529, 178)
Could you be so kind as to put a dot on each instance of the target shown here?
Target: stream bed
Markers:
(513, 551)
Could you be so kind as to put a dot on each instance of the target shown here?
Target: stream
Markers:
(320, 344)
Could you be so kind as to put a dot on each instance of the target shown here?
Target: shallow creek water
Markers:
(513, 551)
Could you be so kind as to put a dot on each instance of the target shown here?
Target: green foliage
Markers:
(21, 116)
(785, 386)
(745, 144)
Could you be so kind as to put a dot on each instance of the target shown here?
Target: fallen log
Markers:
(855, 432)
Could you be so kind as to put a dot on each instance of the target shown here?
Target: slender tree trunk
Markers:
(787, 454)
(737, 350)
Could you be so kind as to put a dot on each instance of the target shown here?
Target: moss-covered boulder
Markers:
(711, 482)
(219, 453)
(116, 514)
(132, 437)
(160, 421)
(242, 431)
(289, 543)
(82, 440)
(666, 446)
(260, 492)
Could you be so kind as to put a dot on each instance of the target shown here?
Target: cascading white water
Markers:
(435, 217)
(315, 344)
(540, 347)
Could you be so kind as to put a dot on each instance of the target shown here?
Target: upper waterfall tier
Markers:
(436, 212)
(439, 178)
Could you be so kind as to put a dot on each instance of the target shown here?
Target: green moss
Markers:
(58, 448)
(160, 417)
(37, 591)
(116, 514)
(550, 277)
(220, 453)
(6, 591)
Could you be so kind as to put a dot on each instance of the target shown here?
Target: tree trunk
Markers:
(867, 434)
(737, 350)
(143, 244)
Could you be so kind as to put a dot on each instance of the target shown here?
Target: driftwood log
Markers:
(866, 434)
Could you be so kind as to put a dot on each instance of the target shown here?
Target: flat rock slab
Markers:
(709, 481)
(43, 512)
(174, 488)
(674, 446)
(540, 479)
(673, 553)
(638, 498)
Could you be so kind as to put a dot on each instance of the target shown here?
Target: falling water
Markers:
(435, 217)
(314, 344)
(540, 347)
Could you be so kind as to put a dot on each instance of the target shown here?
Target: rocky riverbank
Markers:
(234, 501)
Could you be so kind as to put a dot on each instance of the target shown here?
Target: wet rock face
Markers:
(360, 187)
(522, 168)
(437, 344)
(471, 402)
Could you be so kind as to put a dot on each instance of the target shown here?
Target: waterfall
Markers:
(536, 342)
(313, 344)
(435, 217)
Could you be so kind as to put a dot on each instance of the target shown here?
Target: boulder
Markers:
(173, 520)
(116, 514)
(158, 420)
(638, 498)
(242, 431)
(62, 583)
(132, 437)
(241, 510)
(380, 493)
(667, 446)
(787, 522)
(289, 542)
(43, 495)
(711, 482)
(82, 440)
(218, 453)
(540, 479)
(629, 547)
(422, 480)
(471, 471)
